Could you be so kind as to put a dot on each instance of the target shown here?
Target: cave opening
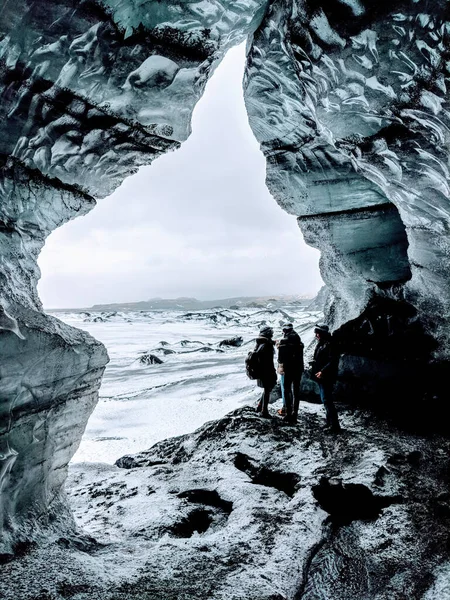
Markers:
(198, 222)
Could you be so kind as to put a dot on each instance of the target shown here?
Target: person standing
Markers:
(290, 361)
(268, 377)
(324, 370)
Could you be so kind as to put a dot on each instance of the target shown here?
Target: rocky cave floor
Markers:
(252, 508)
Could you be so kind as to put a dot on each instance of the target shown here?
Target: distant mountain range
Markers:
(194, 304)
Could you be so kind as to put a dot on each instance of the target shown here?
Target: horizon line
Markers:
(306, 296)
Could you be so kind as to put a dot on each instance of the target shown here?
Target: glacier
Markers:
(348, 100)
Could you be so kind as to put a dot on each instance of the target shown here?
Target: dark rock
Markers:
(198, 520)
(207, 349)
(414, 457)
(97, 319)
(19, 550)
(235, 342)
(443, 496)
(261, 475)
(165, 351)
(150, 359)
(347, 502)
(131, 462)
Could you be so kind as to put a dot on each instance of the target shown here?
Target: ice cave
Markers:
(348, 100)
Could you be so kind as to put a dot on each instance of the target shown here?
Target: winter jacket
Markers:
(325, 360)
(264, 348)
(290, 354)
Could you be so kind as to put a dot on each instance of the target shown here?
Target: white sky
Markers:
(197, 222)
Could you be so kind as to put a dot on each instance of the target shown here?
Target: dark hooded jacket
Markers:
(290, 353)
(264, 348)
(325, 359)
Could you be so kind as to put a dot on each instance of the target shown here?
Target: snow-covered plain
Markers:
(198, 380)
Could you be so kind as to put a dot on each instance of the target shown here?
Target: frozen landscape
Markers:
(200, 378)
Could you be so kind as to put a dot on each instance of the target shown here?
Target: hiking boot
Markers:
(288, 419)
(281, 411)
(265, 415)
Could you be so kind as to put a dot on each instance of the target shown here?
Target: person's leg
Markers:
(287, 384)
(282, 411)
(265, 400)
(296, 391)
(260, 403)
(323, 396)
(326, 395)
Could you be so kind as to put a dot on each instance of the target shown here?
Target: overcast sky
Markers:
(197, 222)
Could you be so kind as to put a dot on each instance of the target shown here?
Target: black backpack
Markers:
(253, 365)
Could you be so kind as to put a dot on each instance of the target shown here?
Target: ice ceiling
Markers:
(349, 101)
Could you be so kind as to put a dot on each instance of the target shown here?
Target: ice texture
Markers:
(50, 386)
(50, 372)
(92, 91)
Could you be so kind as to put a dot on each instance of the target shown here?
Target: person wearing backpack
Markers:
(267, 376)
(290, 366)
(324, 371)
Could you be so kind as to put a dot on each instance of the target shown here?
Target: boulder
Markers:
(150, 359)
